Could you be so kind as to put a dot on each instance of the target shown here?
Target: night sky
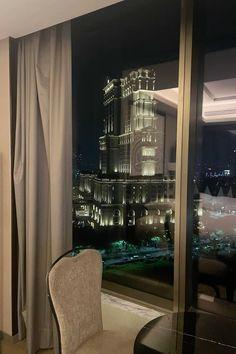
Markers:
(124, 36)
(219, 147)
(129, 35)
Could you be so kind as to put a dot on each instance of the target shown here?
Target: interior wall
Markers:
(5, 190)
(19, 18)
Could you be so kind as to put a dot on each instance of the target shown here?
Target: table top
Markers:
(187, 333)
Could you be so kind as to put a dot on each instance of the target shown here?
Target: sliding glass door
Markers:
(154, 165)
(214, 196)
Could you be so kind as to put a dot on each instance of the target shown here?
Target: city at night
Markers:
(125, 106)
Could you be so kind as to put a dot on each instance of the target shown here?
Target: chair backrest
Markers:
(74, 285)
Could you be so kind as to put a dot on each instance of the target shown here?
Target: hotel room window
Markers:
(125, 80)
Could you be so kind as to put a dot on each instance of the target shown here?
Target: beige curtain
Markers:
(42, 172)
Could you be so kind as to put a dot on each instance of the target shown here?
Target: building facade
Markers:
(133, 186)
(133, 140)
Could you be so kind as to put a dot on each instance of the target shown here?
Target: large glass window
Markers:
(214, 225)
(125, 85)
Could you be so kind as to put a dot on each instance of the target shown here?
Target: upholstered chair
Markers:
(74, 287)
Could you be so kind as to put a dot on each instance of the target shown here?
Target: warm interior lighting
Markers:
(219, 100)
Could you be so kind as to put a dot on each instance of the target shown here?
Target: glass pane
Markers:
(125, 79)
(214, 239)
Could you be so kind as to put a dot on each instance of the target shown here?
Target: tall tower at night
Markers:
(109, 143)
(133, 140)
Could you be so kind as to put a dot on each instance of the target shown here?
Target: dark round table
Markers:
(187, 333)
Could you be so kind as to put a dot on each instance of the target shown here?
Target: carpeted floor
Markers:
(118, 315)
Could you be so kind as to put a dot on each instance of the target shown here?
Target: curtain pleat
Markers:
(42, 173)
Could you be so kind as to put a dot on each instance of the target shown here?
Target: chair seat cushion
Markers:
(107, 342)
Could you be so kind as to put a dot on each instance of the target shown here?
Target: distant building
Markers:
(134, 131)
(136, 157)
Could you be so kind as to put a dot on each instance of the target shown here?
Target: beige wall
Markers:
(5, 191)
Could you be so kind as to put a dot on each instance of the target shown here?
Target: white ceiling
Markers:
(219, 100)
(21, 17)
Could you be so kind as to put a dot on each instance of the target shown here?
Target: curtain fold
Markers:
(42, 172)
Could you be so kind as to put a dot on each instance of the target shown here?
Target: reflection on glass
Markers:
(214, 240)
(185, 333)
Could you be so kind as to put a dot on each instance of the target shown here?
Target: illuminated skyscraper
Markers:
(133, 140)
(135, 154)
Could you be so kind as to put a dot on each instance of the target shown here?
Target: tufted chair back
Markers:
(74, 285)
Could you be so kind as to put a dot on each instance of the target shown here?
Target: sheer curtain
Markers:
(42, 172)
